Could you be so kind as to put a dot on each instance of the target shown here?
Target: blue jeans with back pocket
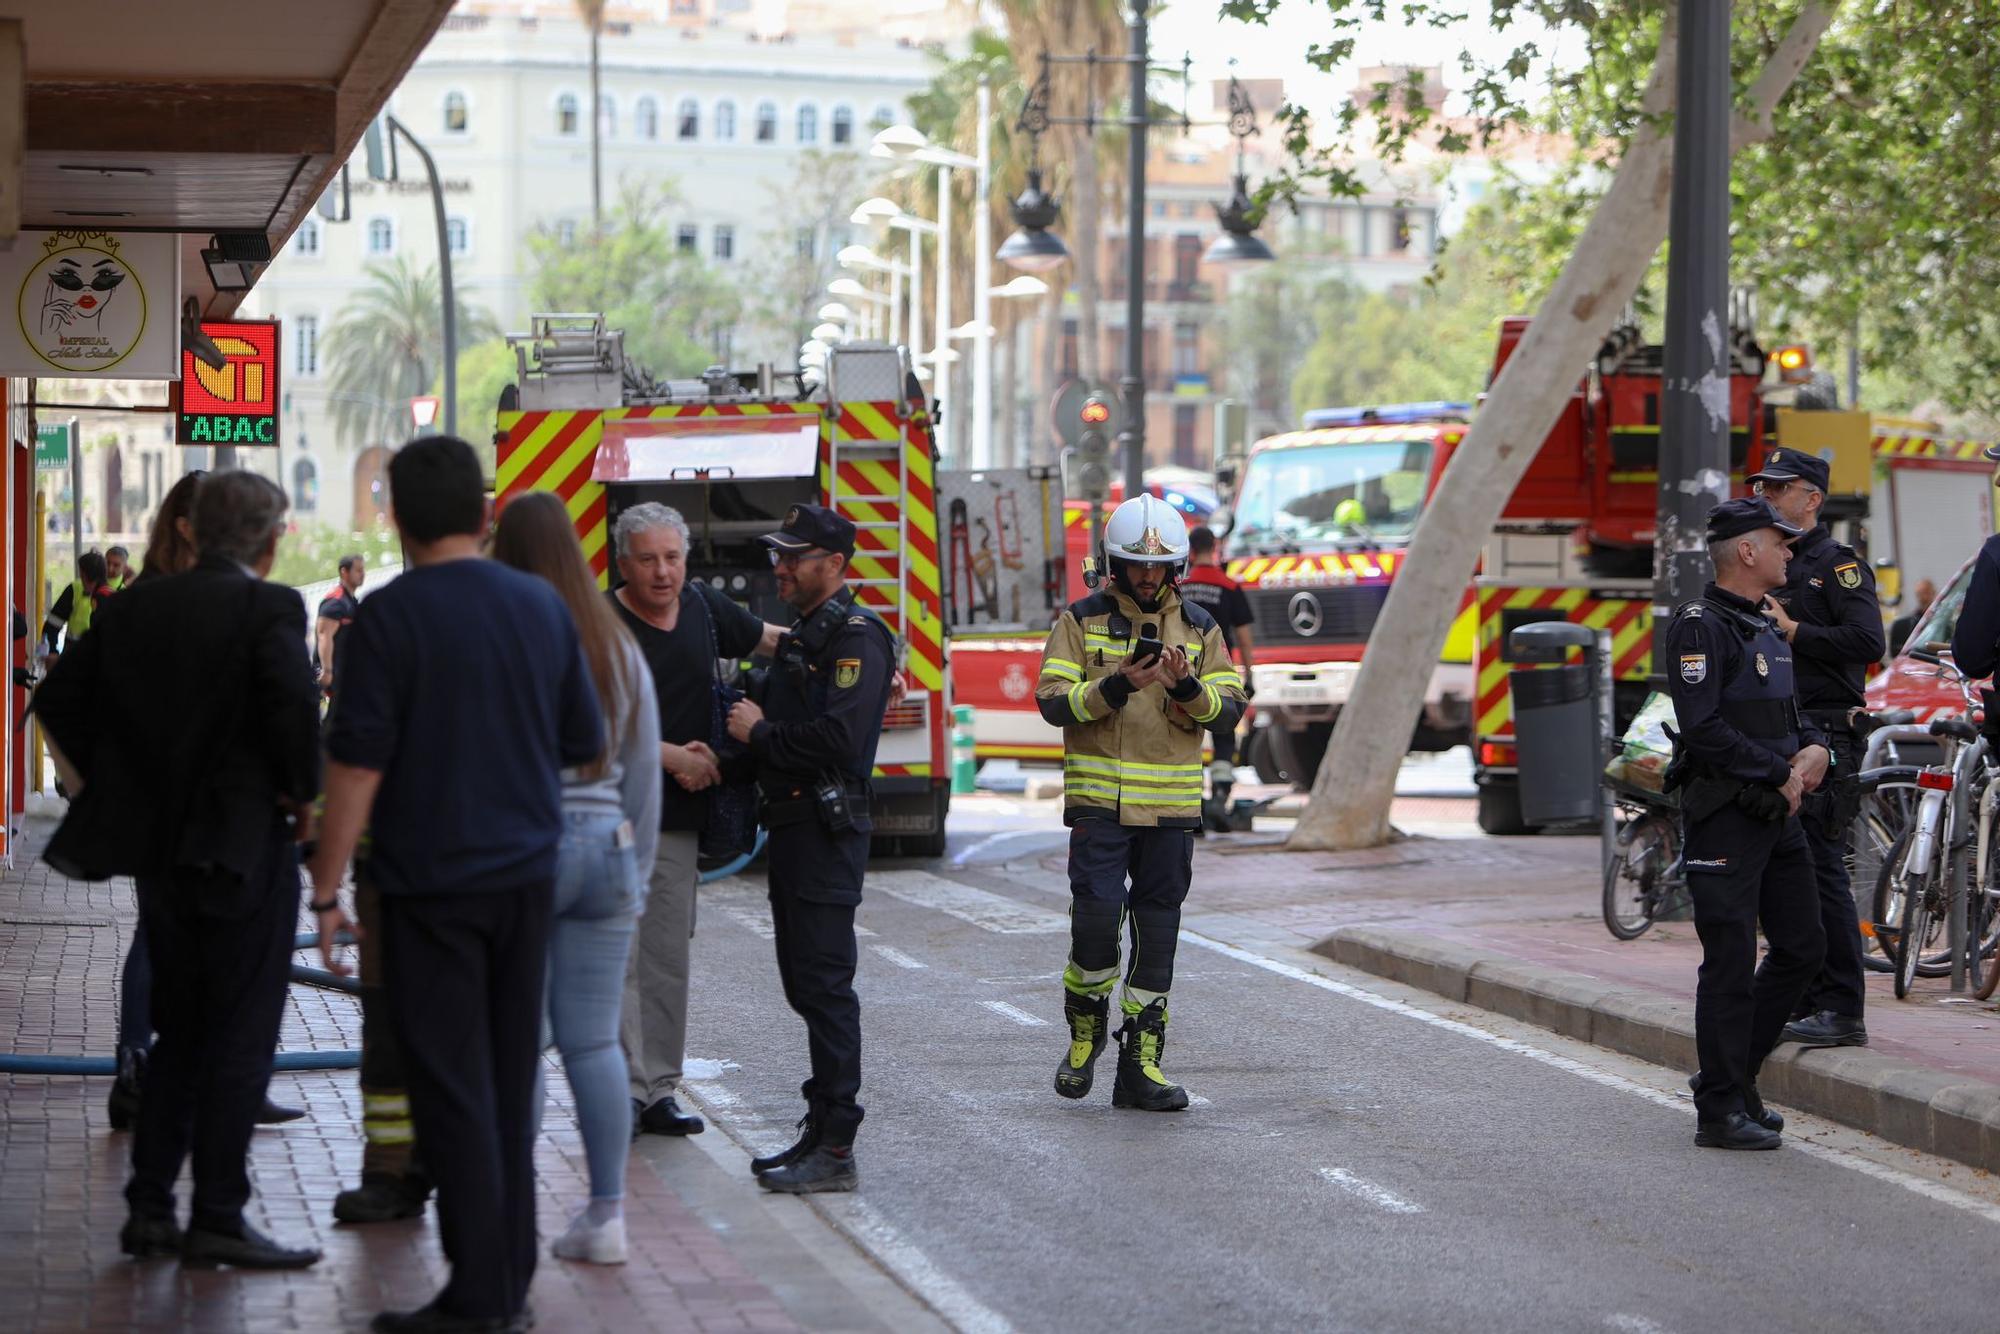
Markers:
(597, 902)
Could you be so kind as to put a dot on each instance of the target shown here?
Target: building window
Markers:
(767, 122)
(607, 115)
(1187, 260)
(306, 240)
(381, 236)
(457, 237)
(724, 247)
(1184, 435)
(725, 122)
(690, 119)
(1399, 231)
(305, 336)
(566, 233)
(687, 238)
(456, 118)
(884, 117)
(808, 124)
(646, 118)
(1187, 349)
(566, 114)
(807, 243)
(843, 125)
(305, 486)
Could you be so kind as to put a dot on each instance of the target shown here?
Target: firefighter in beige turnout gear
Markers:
(1136, 678)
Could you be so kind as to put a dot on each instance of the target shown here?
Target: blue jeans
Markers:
(597, 902)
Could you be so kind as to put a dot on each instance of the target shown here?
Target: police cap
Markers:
(1794, 465)
(808, 526)
(1733, 518)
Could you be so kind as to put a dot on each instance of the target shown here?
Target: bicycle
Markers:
(1643, 876)
(1941, 857)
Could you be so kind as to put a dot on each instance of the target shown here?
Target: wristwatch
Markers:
(327, 906)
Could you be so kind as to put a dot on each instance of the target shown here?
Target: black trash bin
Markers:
(1556, 728)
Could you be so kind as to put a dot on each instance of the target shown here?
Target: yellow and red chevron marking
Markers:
(1929, 447)
(902, 771)
(555, 451)
(862, 423)
(1630, 621)
(906, 490)
(1332, 567)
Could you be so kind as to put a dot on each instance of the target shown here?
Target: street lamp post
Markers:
(982, 291)
(444, 275)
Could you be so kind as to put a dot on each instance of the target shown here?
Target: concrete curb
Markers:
(1931, 1110)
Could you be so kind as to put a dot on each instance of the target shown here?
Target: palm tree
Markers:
(592, 14)
(386, 346)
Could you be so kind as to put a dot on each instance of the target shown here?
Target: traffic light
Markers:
(1091, 469)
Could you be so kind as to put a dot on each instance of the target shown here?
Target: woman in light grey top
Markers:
(611, 829)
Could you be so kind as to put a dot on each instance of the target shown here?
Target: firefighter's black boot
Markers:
(1089, 1027)
(1140, 1083)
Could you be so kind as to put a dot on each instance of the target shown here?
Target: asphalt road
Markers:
(1359, 1157)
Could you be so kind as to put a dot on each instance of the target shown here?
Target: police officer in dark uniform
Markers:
(811, 741)
(1828, 613)
(1745, 758)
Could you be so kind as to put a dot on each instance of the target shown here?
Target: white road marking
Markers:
(987, 911)
(1634, 1324)
(1916, 1185)
(757, 920)
(897, 957)
(1361, 1188)
(879, 1237)
(1016, 1013)
(967, 854)
(861, 932)
(1868, 1167)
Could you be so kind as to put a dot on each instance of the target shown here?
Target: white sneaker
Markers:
(593, 1243)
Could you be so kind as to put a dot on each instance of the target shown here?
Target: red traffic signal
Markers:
(1095, 412)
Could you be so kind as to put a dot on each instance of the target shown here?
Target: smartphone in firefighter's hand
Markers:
(1149, 648)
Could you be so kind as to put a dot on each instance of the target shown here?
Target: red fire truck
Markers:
(732, 452)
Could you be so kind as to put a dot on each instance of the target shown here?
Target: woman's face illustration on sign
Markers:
(72, 307)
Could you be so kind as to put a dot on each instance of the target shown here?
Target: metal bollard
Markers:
(964, 763)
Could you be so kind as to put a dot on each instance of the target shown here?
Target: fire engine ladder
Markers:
(858, 495)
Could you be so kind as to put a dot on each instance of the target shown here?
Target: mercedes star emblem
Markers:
(1305, 614)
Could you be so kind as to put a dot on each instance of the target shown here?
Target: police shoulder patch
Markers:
(1849, 574)
(1694, 668)
(846, 671)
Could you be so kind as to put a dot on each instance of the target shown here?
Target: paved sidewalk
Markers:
(709, 1252)
(1514, 924)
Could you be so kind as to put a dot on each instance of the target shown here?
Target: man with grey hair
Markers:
(682, 628)
(210, 797)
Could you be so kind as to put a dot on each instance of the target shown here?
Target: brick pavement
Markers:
(61, 945)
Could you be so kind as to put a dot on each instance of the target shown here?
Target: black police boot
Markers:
(145, 1237)
(1089, 1025)
(825, 1167)
(1140, 1084)
(382, 1197)
(1735, 1131)
(123, 1105)
(807, 1141)
(1826, 1029)
(1753, 1104)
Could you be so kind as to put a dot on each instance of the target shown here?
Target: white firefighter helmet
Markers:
(1146, 530)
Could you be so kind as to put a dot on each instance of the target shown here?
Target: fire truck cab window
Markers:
(1362, 492)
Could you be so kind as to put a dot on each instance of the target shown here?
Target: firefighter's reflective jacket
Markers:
(1134, 757)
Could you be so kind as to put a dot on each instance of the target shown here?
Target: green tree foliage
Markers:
(676, 311)
(1870, 203)
(484, 369)
(386, 346)
(796, 261)
(311, 552)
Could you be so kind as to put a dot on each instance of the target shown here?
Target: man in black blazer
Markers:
(192, 706)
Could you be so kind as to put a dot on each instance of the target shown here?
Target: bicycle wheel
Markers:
(1633, 876)
(1914, 930)
(1888, 798)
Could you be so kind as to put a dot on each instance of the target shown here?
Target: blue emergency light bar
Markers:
(1389, 414)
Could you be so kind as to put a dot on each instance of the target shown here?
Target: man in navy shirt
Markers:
(464, 693)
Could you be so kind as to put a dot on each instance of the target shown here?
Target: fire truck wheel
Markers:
(1296, 755)
(1261, 759)
(1500, 808)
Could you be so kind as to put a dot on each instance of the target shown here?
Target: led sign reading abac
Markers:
(237, 402)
